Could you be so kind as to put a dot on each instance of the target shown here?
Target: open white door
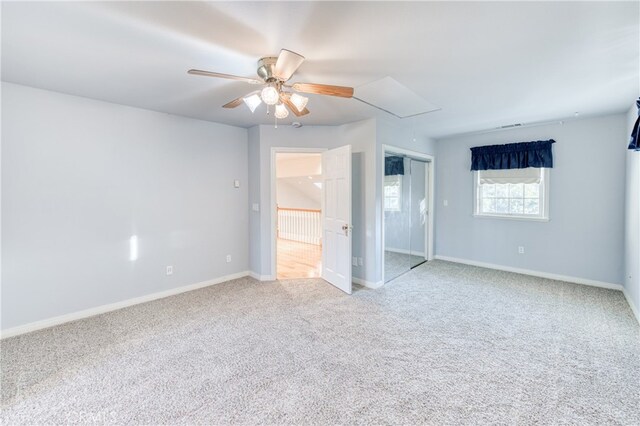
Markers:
(336, 220)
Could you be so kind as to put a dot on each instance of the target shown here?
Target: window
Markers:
(393, 193)
(513, 193)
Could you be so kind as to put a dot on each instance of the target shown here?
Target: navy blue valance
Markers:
(512, 156)
(393, 166)
(634, 140)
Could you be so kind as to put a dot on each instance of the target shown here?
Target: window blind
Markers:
(528, 175)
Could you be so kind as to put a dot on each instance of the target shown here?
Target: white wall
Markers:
(632, 218)
(296, 178)
(292, 165)
(584, 237)
(299, 193)
(80, 177)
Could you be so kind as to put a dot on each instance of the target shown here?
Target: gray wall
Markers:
(255, 188)
(80, 177)
(361, 136)
(632, 216)
(584, 237)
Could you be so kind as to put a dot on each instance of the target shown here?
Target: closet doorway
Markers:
(406, 211)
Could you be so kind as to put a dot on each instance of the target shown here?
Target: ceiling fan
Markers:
(274, 74)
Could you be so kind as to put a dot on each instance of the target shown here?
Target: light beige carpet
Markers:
(443, 344)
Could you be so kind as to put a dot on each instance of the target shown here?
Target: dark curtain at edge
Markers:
(518, 155)
(393, 166)
(634, 140)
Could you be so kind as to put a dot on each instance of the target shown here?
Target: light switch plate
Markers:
(236, 183)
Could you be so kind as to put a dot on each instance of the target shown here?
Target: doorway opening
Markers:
(407, 203)
(298, 194)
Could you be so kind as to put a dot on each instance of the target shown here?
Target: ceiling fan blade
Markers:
(234, 103)
(323, 89)
(237, 102)
(288, 62)
(228, 76)
(284, 97)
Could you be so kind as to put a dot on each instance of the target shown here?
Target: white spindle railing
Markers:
(301, 225)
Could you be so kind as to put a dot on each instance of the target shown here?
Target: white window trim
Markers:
(545, 203)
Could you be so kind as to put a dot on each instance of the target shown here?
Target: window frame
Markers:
(384, 196)
(544, 199)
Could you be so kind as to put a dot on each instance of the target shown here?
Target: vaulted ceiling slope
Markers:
(485, 64)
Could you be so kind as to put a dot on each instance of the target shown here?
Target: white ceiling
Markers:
(485, 64)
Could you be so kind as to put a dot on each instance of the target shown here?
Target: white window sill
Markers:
(510, 217)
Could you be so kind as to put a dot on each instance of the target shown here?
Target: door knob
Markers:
(346, 228)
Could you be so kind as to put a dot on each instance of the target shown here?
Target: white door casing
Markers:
(336, 217)
(427, 196)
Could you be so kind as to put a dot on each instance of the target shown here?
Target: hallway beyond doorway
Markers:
(298, 260)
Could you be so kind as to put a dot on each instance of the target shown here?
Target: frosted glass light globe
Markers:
(281, 111)
(252, 102)
(299, 101)
(270, 95)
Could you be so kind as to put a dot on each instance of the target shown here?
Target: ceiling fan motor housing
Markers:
(266, 67)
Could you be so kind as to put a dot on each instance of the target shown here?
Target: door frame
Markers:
(273, 203)
(431, 185)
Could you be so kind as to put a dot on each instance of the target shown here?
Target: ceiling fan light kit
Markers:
(270, 95)
(274, 73)
(281, 112)
(299, 101)
(252, 101)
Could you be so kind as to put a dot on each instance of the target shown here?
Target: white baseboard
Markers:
(50, 322)
(404, 251)
(368, 284)
(632, 305)
(540, 274)
(261, 277)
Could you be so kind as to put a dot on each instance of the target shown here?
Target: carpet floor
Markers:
(396, 264)
(442, 344)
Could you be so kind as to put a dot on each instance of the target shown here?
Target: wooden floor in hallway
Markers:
(298, 260)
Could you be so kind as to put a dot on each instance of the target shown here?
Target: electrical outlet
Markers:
(360, 262)
(354, 261)
(445, 203)
(520, 250)
(255, 207)
(169, 270)
(228, 258)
